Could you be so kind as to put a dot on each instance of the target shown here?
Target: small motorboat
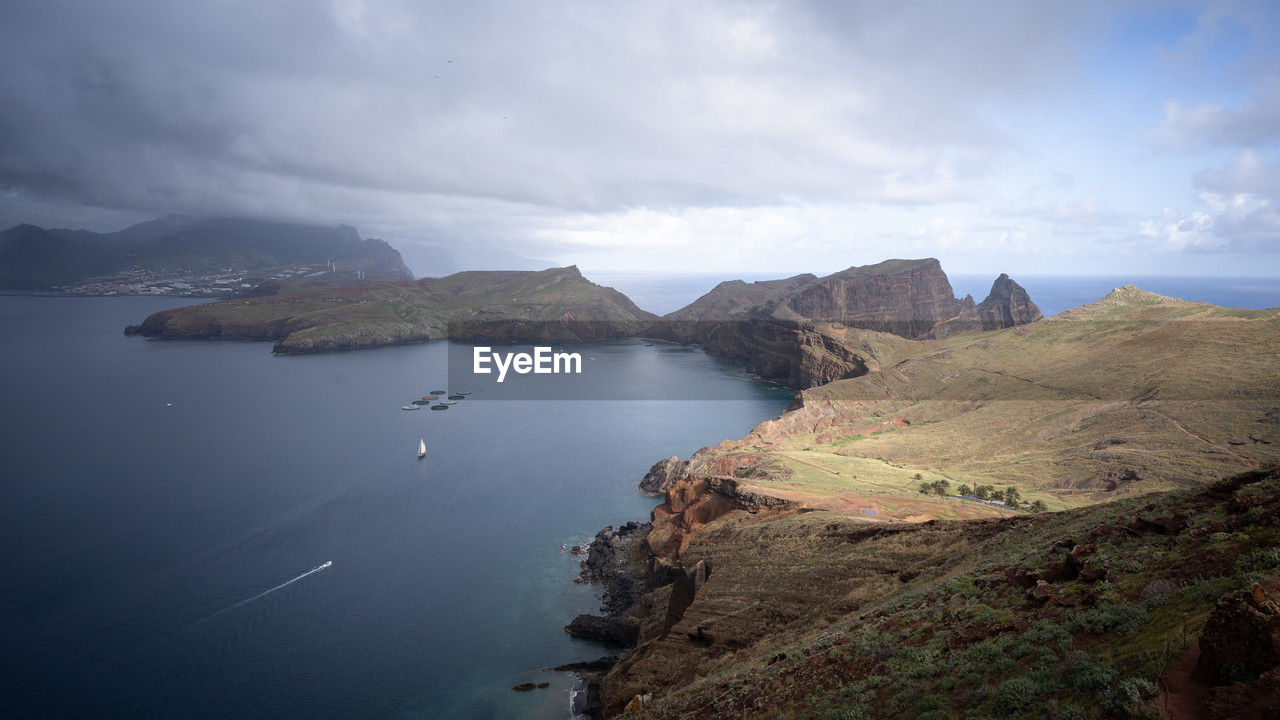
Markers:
(438, 392)
(458, 396)
(420, 402)
(422, 448)
(411, 407)
(462, 392)
(439, 407)
(430, 397)
(448, 402)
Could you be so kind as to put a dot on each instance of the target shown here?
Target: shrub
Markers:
(1014, 695)
(1049, 634)
(1054, 710)
(1129, 696)
(1121, 618)
(1259, 561)
(1090, 675)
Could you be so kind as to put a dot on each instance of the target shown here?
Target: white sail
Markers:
(422, 447)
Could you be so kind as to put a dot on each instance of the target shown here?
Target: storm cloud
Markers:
(614, 133)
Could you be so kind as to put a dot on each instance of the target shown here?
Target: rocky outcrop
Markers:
(615, 559)
(1007, 305)
(795, 333)
(662, 475)
(1241, 640)
(605, 628)
(909, 298)
(1258, 700)
(706, 493)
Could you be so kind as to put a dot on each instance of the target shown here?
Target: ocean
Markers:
(153, 490)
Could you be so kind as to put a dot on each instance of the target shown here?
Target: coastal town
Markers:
(224, 282)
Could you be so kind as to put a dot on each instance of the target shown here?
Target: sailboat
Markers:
(422, 448)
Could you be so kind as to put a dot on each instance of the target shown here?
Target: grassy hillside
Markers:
(557, 302)
(1133, 393)
(1088, 613)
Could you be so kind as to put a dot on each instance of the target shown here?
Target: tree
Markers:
(1012, 496)
(941, 486)
(1037, 506)
(963, 489)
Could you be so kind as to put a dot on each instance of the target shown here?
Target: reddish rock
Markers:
(1258, 700)
(1042, 593)
(1241, 639)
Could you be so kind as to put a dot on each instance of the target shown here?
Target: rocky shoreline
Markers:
(645, 587)
(608, 563)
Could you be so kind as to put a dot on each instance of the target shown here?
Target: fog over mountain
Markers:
(696, 136)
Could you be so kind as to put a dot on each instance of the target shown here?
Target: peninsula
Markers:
(800, 331)
(504, 305)
(880, 549)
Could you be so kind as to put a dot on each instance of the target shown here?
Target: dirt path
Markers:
(1182, 697)
(1247, 462)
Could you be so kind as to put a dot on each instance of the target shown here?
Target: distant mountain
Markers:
(34, 258)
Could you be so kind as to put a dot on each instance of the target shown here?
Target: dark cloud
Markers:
(552, 127)
(169, 106)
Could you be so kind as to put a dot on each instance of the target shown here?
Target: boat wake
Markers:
(265, 593)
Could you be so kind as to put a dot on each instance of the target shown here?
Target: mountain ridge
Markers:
(40, 259)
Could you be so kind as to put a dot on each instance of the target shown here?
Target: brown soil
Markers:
(1182, 696)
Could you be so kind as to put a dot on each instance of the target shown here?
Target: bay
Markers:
(151, 487)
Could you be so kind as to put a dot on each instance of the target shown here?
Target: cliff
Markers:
(1095, 612)
(798, 330)
(504, 305)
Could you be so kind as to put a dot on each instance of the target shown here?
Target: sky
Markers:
(668, 136)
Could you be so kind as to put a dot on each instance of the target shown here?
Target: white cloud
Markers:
(1175, 232)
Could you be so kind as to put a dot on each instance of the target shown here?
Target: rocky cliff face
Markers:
(904, 297)
(662, 475)
(816, 614)
(795, 330)
(1007, 305)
